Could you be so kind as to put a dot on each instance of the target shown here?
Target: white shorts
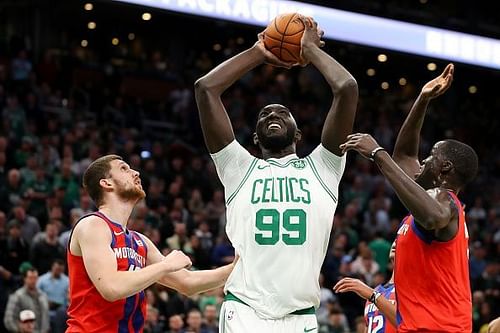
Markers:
(236, 317)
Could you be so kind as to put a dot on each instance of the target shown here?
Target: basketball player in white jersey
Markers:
(279, 208)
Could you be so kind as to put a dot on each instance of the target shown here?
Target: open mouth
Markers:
(273, 126)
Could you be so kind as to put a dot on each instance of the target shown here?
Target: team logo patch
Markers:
(138, 242)
(299, 164)
(230, 315)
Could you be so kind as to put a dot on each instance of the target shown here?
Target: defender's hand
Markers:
(362, 143)
(440, 84)
(354, 285)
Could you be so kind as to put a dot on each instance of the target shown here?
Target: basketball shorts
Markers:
(236, 317)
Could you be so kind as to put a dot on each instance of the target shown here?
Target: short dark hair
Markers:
(30, 269)
(96, 171)
(58, 261)
(464, 159)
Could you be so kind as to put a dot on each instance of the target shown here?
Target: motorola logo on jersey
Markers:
(129, 253)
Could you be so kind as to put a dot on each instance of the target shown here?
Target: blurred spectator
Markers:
(47, 249)
(477, 262)
(364, 265)
(74, 216)
(337, 322)
(326, 297)
(179, 240)
(175, 324)
(223, 252)
(360, 325)
(21, 66)
(67, 182)
(15, 116)
(203, 231)
(37, 192)
(29, 225)
(15, 248)
(12, 193)
(27, 320)
(210, 319)
(215, 210)
(55, 284)
(5, 281)
(28, 297)
(194, 322)
(381, 248)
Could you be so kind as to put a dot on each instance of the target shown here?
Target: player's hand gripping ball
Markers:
(283, 35)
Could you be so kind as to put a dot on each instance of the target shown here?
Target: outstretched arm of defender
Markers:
(93, 238)
(215, 122)
(340, 118)
(431, 209)
(189, 282)
(385, 306)
(406, 148)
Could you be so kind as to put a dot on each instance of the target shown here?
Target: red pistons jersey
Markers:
(88, 310)
(432, 279)
(375, 320)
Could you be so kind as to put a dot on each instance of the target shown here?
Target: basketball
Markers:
(282, 36)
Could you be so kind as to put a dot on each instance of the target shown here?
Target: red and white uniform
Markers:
(376, 322)
(432, 279)
(88, 310)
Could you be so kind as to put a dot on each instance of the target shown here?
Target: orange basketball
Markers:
(282, 36)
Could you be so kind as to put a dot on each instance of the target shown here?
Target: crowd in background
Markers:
(56, 118)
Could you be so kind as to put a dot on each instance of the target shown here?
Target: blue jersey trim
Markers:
(426, 238)
(143, 242)
(130, 302)
(138, 316)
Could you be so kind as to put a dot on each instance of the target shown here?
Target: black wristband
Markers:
(374, 296)
(374, 152)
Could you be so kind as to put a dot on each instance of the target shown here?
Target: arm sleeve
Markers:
(232, 163)
(329, 166)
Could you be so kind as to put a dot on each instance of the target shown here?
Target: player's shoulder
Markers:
(90, 224)
(232, 147)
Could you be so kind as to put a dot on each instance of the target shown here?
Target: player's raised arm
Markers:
(215, 122)
(431, 209)
(340, 118)
(92, 237)
(406, 148)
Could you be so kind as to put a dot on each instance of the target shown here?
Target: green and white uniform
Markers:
(279, 217)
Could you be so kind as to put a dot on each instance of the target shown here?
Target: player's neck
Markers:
(282, 153)
(117, 211)
(448, 186)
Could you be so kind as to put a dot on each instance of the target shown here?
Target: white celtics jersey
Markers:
(279, 217)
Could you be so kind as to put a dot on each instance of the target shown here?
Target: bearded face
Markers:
(276, 129)
(129, 191)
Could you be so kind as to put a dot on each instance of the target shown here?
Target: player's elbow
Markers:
(349, 86)
(109, 293)
(200, 85)
(203, 86)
